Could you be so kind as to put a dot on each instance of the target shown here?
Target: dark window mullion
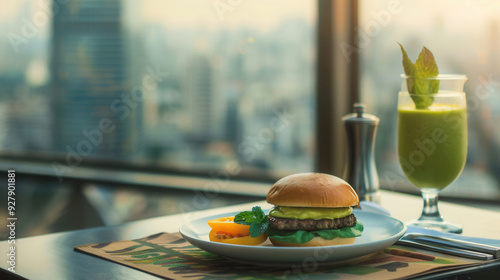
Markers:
(336, 80)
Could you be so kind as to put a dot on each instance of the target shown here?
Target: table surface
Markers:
(52, 256)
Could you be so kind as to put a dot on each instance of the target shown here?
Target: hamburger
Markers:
(312, 209)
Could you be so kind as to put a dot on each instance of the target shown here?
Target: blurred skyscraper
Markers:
(89, 79)
(201, 96)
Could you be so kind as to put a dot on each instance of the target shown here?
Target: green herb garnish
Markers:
(256, 219)
(418, 74)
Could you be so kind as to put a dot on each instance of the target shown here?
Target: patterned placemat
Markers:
(168, 255)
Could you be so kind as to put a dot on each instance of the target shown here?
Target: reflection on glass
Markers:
(432, 24)
(181, 84)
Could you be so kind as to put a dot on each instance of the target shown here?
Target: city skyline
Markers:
(208, 111)
(252, 73)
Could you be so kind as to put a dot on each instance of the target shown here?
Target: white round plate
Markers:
(380, 231)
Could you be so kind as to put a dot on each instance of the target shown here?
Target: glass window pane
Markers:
(190, 85)
(464, 37)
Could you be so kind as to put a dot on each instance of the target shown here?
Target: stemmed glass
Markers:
(432, 141)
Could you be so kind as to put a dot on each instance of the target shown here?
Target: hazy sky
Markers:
(11, 10)
(259, 14)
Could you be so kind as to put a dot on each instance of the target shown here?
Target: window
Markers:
(464, 37)
(197, 86)
(178, 85)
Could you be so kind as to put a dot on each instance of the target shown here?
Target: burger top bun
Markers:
(312, 190)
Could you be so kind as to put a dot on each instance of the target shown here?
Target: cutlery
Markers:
(461, 244)
(446, 250)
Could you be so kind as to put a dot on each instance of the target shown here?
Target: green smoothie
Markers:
(432, 144)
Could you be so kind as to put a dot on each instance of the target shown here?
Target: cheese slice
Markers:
(315, 213)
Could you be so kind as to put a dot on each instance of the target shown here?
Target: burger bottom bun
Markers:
(316, 241)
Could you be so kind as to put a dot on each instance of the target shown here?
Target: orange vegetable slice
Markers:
(227, 225)
(245, 240)
(225, 230)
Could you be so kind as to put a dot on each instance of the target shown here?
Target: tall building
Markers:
(201, 99)
(232, 124)
(89, 76)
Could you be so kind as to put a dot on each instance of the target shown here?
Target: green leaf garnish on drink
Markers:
(418, 75)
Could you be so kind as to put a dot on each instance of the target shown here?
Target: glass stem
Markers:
(430, 211)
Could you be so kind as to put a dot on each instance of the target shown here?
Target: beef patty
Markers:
(311, 224)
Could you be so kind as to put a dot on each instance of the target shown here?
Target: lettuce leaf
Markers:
(302, 236)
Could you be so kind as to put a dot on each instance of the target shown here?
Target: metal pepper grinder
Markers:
(360, 170)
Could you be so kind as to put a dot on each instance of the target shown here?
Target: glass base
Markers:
(435, 225)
